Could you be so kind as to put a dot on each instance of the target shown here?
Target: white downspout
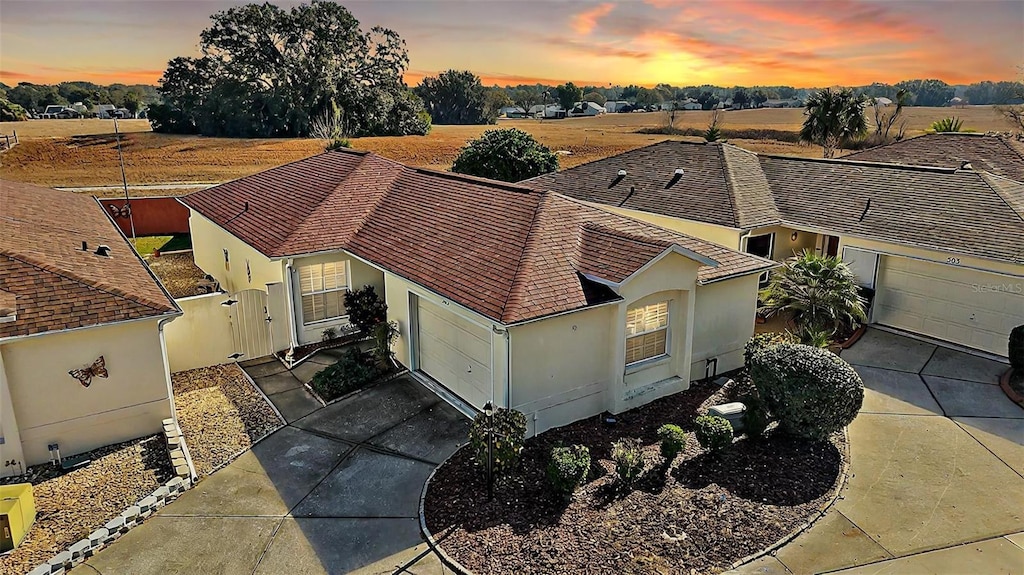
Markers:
(290, 293)
(508, 369)
(167, 366)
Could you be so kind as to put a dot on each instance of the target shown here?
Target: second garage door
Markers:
(455, 352)
(964, 306)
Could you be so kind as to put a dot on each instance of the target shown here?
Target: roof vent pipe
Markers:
(622, 173)
(679, 172)
(103, 251)
(965, 165)
(85, 246)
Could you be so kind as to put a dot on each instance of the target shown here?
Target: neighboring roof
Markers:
(965, 211)
(998, 155)
(54, 283)
(721, 185)
(505, 251)
(940, 209)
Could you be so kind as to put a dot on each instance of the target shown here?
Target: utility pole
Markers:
(124, 181)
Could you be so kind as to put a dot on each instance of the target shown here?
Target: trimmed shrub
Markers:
(365, 308)
(629, 460)
(713, 432)
(568, 467)
(673, 440)
(755, 418)
(763, 340)
(810, 391)
(1016, 348)
(384, 335)
(509, 437)
(355, 370)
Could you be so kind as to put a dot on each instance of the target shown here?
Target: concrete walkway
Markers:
(334, 491)
(937, 471)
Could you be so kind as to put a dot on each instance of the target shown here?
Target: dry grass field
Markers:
(76, 153)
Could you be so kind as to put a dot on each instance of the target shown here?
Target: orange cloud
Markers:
(53, 75)
(585, 22)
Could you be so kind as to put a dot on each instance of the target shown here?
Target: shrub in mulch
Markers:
(708, 512)
(713, 433)
(355, 370)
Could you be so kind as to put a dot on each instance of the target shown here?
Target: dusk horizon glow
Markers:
(735, 42)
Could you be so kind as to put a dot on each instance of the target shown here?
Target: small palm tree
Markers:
(951, 124)
(833, 116)
(820, 291)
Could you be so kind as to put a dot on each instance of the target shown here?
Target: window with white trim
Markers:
(646, 332)
(323, 289)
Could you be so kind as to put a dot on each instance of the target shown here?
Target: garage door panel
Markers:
(455, 352)
(945, 302)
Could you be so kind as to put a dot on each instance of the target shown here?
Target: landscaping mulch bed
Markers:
(702, 515)
(179, 274)
(220, 414)
(72, 504)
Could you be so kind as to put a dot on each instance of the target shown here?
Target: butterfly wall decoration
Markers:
(85, 375)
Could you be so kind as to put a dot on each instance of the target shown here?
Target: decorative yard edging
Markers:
(431, 542)
(843, 477)
(854, 337)
(1004, 383)
(135, 514)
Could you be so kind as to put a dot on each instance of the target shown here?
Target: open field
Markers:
(35, 129)
(59, 157)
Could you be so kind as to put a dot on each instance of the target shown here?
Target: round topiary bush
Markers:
(764, 340)
(810, 391)
(1016, 348)
(714, 433)
(673, 440)
(568, 467)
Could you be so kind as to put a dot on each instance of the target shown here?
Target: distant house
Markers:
(547, 111)
(104, 111)
(792, 103)
(690, 104)
(587, 109)
(512, 112)
(82, 361)
(613, 106)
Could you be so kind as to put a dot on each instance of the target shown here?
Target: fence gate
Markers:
(250, 324)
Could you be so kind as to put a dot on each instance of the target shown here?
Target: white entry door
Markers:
(964, 306)
(455, 352)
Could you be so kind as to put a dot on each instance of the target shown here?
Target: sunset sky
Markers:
(682, 42)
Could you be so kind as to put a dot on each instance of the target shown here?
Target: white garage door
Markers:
(456, 353)
(972, 308)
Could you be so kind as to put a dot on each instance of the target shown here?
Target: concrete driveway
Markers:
(334, 491)
(937, 470)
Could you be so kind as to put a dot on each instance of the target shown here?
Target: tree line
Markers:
(29, 97)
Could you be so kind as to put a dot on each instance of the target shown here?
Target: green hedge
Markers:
(810, 391)
(355, 370)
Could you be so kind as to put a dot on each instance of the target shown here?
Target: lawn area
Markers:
(145, 245)
(699, 515)
(90, 159)
(70, 505)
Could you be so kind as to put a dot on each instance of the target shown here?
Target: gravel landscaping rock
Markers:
(71, 505)
(179, 274)
(221, 413)
(700, 516)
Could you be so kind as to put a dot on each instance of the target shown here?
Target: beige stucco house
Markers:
(73, 291)
(940, 245)
(528, 299)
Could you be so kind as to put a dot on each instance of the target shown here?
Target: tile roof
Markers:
(995, 154)
(54, 283)
(938, 208)
(720, 185)
(506, 251)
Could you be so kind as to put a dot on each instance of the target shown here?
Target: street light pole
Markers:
(489, 414)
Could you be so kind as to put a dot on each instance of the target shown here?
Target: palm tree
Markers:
(833, 116)
(820, 291)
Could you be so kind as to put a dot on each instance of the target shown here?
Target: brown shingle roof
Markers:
(721, 184)
(54, 283)
(941, 209)
(506, 251)
(994, 154)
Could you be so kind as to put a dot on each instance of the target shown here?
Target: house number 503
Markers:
(953, 261)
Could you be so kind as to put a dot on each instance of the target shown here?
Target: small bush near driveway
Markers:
(1016, 348)
(355, 370)
(629, 460)
(714, 433)
(811, 392)
(509, 434)
(673, 440)
(568, 467)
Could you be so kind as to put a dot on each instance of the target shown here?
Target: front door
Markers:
(831, 246)
(763, 246)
